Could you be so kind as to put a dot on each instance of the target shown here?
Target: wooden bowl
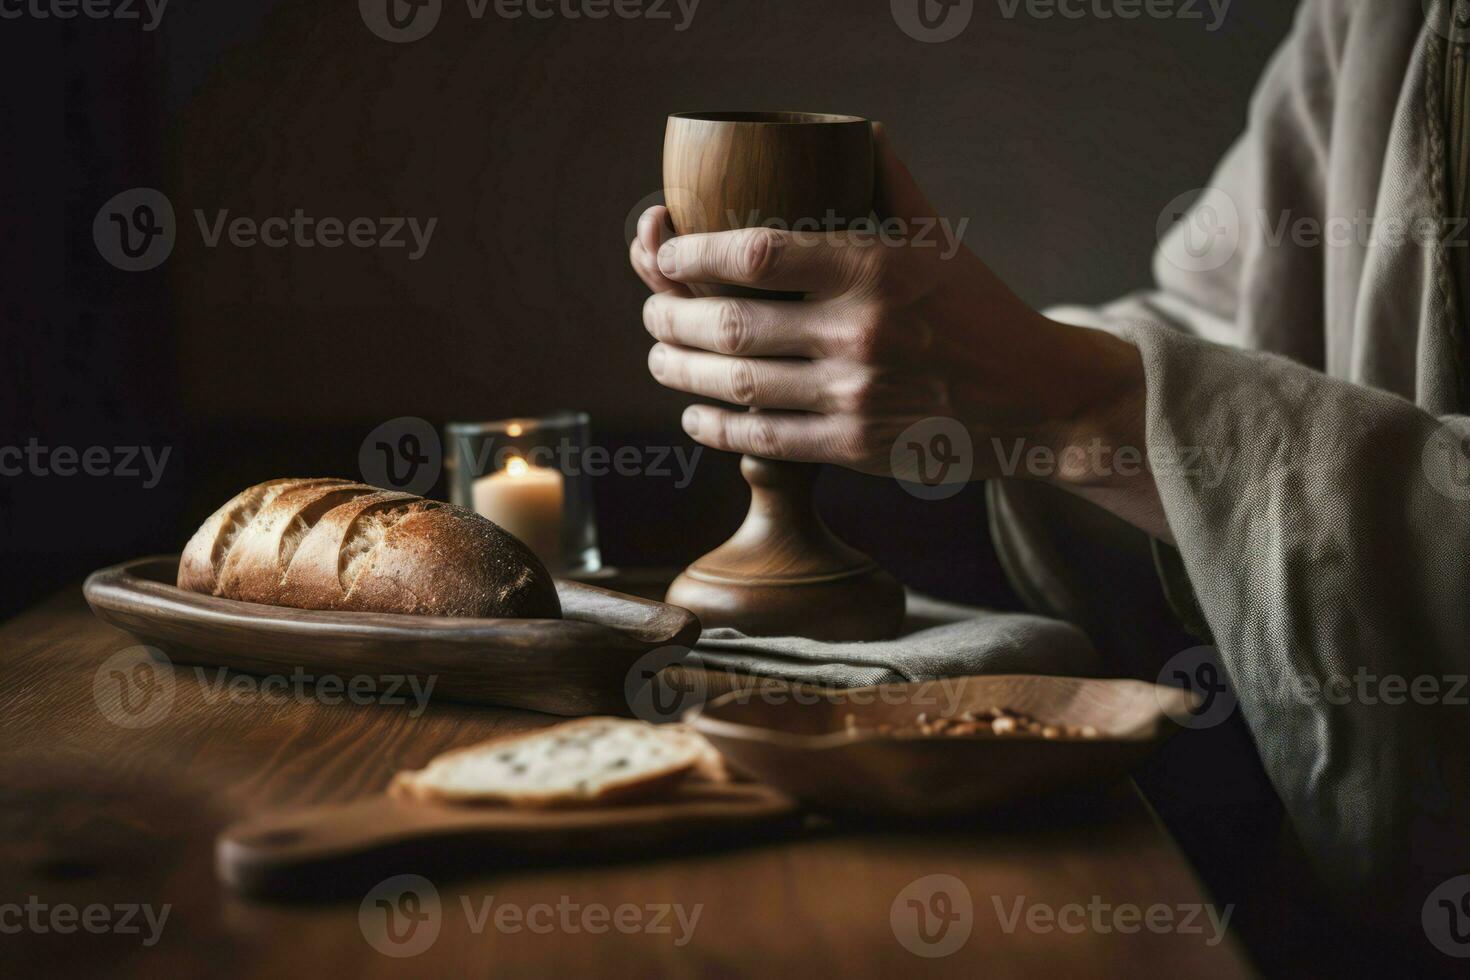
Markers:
(576, 665)
(796, 739)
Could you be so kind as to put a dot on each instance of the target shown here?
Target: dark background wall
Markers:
(532, 142)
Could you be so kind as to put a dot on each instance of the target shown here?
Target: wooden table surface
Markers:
(98, 814)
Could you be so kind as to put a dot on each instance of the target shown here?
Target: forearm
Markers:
(1097, 447)
(1112, 440)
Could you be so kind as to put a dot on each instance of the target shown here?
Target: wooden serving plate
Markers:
(326, 849)
(795, 739)
(576, 665)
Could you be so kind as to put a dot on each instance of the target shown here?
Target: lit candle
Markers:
(527, 501)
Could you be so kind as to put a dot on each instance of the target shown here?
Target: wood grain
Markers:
(94, 812)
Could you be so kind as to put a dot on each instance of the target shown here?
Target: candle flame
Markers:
(516, 466)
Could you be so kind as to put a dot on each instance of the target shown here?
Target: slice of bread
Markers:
(577, 763)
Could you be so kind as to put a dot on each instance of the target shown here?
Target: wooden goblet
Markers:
(784, 572)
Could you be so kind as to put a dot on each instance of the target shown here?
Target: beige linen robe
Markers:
(1333, 551)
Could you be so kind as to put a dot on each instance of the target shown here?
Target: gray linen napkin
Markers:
(939, 639)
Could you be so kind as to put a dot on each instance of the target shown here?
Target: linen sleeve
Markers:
(1324, 526)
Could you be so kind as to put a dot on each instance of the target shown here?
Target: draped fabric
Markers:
(1305, 327)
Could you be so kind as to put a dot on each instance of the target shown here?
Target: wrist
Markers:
(1098, 438)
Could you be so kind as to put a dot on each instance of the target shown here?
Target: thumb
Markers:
(897, 194)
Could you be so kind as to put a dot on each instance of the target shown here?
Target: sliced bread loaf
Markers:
(589, 761)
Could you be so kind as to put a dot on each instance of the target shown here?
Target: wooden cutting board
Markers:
(330, 850)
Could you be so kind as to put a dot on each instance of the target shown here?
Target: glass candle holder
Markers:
(526, 475)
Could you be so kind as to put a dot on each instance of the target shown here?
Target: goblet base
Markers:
(784, 573)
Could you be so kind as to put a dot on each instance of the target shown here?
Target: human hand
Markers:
(894, 328)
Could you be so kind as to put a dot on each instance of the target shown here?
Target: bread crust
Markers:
(443, 560)
(316, 572)
(257, 564)
(335, 544)
(199, 564)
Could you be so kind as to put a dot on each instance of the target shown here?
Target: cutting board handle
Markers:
(326, 851)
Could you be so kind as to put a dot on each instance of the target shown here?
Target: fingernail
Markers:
(656, 359)
(690, 421)
(667, 261)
